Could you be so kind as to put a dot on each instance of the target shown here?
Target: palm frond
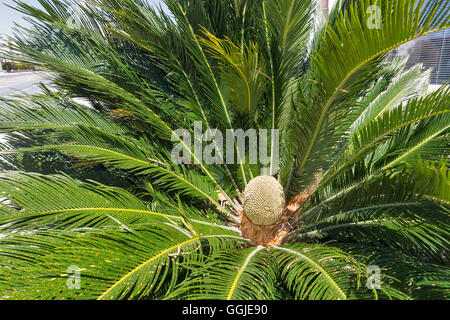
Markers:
(374, 133)
(113, 263)
(232, 275)
(350, 48)
(320, 272)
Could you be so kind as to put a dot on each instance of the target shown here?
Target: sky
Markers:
(8, 16)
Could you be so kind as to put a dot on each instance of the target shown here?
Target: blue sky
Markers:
(8, 16)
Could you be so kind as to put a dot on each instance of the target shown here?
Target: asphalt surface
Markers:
(12, 83)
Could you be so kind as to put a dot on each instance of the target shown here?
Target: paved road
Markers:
(11, 83)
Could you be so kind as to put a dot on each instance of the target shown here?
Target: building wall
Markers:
(324, 6)
(433, 51)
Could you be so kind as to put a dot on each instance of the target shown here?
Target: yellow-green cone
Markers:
(264, 200)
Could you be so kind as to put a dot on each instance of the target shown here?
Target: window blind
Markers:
(433, 51)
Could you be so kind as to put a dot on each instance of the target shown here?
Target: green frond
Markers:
(231, 275)
(411, 208)
(319, 272)
(95, 138)
(363, 152)
(67, 203)
(345, 58)
(113, 264)
(409, 84)
(418, 279)
(242, 71)
(374, 133)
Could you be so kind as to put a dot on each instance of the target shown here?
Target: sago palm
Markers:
(359, 205)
